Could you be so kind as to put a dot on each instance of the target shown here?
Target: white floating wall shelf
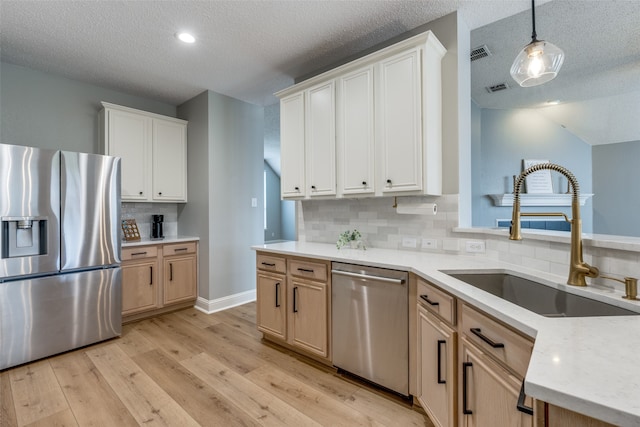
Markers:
(537, 199)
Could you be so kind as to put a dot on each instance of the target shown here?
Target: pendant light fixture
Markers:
(539, 61)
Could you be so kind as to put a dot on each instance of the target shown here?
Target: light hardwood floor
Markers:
(188, 368)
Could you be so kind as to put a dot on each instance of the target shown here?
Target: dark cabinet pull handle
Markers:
(141, 193)
(295, 300)
(297, 188)
(139, 253)
(180, 249)
(440, 380)
(364, 183)
(305, 270)
(171, 272)
(521, 406)
(426, 298)
(477, 332)
(389, 181)
(313, 187)
(465, 397)
(278, 294)
(160, 193)
(150, 275)
(268, 264)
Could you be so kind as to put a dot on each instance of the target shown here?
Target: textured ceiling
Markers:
(245, 49)
(599, 83)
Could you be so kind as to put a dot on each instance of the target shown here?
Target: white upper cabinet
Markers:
(169, 155)
(153, 149)
(399, 123)
(320, 140)
(129, 137)
(355, 136)
(378, 131)
(292, 146)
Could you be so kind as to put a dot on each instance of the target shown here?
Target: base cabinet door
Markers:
(489, 393)
(437, 369)
(308, 311)
(271, 305)
(140, 286)
(179, 279)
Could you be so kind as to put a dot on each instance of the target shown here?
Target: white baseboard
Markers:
(211, 306)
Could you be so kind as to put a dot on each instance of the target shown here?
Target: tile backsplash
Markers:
(142, 212)
(382, 227)
(376, 218)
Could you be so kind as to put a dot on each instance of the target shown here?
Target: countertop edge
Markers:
(169, 239)
(611, 407)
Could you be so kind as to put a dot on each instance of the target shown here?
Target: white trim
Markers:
(527, 199)
(211, 306)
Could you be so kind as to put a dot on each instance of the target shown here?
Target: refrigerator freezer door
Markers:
(90, 197)
(29, 211)
(49, 315)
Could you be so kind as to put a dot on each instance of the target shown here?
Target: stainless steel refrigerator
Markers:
(60, 277)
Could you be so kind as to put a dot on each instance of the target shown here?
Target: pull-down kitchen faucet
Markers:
(578, 269)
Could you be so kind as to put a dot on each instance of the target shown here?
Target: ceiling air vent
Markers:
(480, 52)
(497, 88)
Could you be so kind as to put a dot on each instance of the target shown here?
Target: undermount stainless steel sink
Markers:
(539, 298)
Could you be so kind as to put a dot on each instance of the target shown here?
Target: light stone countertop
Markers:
(168, 239)
(588, 365)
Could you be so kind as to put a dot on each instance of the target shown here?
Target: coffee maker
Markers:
(156, 227)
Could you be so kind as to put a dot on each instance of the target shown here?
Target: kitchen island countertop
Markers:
(587, 365)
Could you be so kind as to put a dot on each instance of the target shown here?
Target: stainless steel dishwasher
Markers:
(370, 324)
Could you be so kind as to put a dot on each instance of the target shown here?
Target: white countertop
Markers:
(588, 365)
(168, 239)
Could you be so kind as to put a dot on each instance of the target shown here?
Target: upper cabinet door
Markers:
(320, 138)
(399, 122)
(292, 146)
(355, 137)
(169, 161)
(129, 137)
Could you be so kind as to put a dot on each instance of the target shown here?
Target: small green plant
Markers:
(350, 238)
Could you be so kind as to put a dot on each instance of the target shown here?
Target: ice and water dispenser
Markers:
(24, 236)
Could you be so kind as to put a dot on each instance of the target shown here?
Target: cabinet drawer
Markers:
(497, 340)
(271, 263)
(138, 252)
(179, 248)
(437, 301)
(310, 270)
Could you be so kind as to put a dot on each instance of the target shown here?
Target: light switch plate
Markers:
(429, 244)
(254, 202)
(409, 242)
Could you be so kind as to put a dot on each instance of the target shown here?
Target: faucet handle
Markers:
(630, 286)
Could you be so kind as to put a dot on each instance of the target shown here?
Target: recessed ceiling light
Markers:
(553, 102)
(185, 37)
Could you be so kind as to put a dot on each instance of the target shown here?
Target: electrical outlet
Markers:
(254, 202)
(476, 246)
(409, 242)
(429, 244)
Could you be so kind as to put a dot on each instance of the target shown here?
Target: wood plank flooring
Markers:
(187, 369)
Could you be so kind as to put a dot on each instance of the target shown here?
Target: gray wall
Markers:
(274, 211)
(229, 173)
(43, 110)
(509, 136)
(616, 200)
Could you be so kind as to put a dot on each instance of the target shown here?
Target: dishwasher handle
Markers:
(368, 276)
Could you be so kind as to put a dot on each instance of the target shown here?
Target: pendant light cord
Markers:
(534, 36)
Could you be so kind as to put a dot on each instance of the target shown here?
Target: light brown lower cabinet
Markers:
(158, 278)
(179, 278)
(489, 393)
(140, 290)
(437, 379)
(293, 303)
(309, 316)
(271, 310)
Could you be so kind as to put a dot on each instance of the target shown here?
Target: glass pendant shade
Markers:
(538, 63)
